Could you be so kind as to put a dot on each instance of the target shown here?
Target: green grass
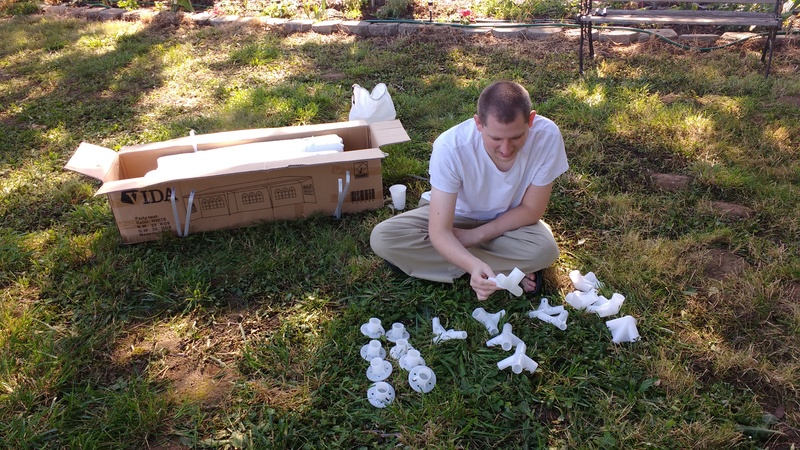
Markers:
(249, 338)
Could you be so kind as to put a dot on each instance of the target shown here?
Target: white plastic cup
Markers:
(398, 192)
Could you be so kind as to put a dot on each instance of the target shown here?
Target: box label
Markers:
(151, 226)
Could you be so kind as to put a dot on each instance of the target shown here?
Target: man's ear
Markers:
(530, 121)
(478, 123)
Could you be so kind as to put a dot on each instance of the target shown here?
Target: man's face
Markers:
(504, 140)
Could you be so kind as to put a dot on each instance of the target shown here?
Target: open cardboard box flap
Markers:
(231, 193)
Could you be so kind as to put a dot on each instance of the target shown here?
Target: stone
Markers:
(476, 31)
(732, 210)
(382, 29)
(298, 26)
(538, 33)
(667, 33)
(94, 13)
(407, 29)
(671, 182)
(698, 39)
(111, 14)
(619, 36)
(508, 32)
(218, 21)
(141, 14)
(355, 27)
(326, 27)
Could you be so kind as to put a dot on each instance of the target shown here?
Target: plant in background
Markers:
(15, 8)
(128, 4)
(352, 9)
(278, 9)
(393, 9)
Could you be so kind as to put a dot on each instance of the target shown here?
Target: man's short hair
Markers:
(505, 101)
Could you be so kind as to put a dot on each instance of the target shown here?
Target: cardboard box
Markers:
(213, 198)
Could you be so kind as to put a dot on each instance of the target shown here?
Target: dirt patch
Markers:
(671, 182)
(732, 211)
(721, 264)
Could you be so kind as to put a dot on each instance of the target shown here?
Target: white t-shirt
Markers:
(459, 164)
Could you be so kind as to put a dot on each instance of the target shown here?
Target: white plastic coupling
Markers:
(398, 331)
(372, 329)
(510, 282)
(490, 321)
(586, 282)
(401, 347)
(380, 394)
(581, 300)
(623, 329)
(411, 359)
(506, 339)
(560, 320)
(441, 335)
(379, 369)
(422, 379)
(373, 349)
(607, 307)
(519, 361)
(544, 307)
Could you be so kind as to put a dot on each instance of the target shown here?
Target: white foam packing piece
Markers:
(519, 361)
(623, 329)
(206, 162)
(506, 339)
(586, 282)
(490, 321)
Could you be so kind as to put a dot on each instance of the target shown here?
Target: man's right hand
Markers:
(480, 282)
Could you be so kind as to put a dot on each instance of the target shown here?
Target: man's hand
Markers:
(480, 282)
(468, 237)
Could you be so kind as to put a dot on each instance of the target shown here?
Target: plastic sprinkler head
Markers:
(422, 379)
(623, 329)
(398, 331)
(506, 340)
(372, 329)
(373, 350)
(380, 394)
(490, 321)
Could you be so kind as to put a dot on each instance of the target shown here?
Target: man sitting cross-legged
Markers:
(491, 177)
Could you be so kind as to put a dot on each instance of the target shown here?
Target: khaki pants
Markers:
(403, 241)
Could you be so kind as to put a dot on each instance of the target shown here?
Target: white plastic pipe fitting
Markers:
(510, 282)
(623, 329)
(586, 282)
(422, 379)
(609, 307)
(441, 335)
(519, 361)
(411, 359)
(506, 340)
(401, 347)
(581, 300)
(373, 349)
(490, 321)
(372, 329)
(398, 331)
(379, 369)
(380, 394)
(544, 307)
(560, 320)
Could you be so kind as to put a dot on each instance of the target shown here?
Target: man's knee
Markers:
(377, 240)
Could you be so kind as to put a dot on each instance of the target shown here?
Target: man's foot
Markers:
(533, 283)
